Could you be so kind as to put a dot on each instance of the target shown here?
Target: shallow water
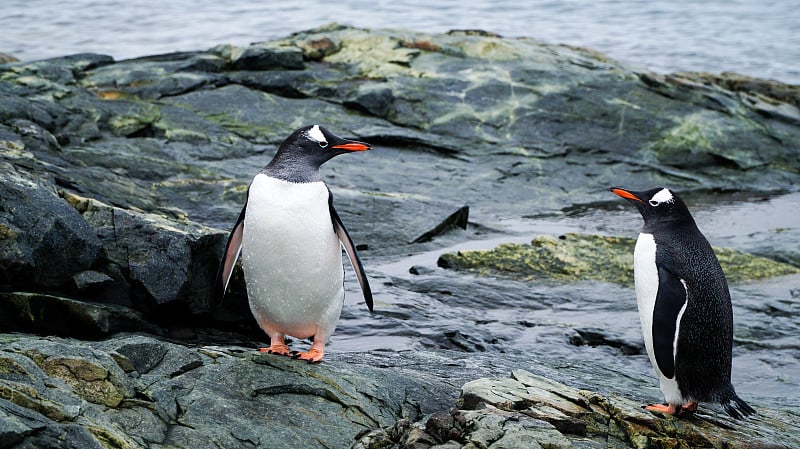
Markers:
(745, 36)
(584, 328)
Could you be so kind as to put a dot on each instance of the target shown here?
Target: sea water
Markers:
(753, 37)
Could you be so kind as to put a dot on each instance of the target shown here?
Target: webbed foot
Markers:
(277, 346)
(313, 355)
(674, 409)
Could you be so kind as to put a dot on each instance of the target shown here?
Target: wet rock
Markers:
(161, 258)
(266, 56)
(595, 337)
(45, 241)
(573, 257)
(89, 279)
(529, 411)
(36, 312)
(457, 219)
(231, 398)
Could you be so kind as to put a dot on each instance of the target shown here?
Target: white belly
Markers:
(292, 258)
(646, 278)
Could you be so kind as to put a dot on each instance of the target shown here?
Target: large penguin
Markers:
(684, 306)
(290, 239)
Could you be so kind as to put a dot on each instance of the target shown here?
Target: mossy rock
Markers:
(575, 257)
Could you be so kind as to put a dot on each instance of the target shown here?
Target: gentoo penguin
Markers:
(684, 306)
(290, 239)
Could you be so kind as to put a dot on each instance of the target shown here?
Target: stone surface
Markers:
(575, 257)
(139, 392)
(530, 411)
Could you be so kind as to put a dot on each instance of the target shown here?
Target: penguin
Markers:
(290, 240)
(684, 306)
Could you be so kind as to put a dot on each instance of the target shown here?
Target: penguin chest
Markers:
(292, 258)
(647, 282)
(645, 273)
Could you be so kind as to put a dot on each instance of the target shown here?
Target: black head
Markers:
(302, 153)
(659, 205)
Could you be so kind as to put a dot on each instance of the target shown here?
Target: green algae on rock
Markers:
(140, 392)
(525, 410)
(574, 257)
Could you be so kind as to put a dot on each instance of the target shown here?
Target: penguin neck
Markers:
(669, 224)
(290, 168)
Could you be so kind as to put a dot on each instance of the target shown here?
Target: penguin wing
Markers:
(350, 249)
(671, 301)
(232, 251)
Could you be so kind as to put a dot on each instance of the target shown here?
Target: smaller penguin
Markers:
(684, 306)
(290, 239)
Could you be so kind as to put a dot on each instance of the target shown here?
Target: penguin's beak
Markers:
(352, 145)
(625, 194)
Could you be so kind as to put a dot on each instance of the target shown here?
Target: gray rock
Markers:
(36, 312)
(231, 398)
(90, 279)
(44, 241)
(266, 56)
(530, 411)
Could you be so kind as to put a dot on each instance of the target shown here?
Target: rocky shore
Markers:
(119, 180)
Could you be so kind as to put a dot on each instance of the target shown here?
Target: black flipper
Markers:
(350, 249)
(670, 299)
(232, 251)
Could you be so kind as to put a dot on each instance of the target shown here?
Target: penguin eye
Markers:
(654, 203)
(323, 144)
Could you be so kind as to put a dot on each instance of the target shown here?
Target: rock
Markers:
(5, 57)
(266, 56)
(457, 219)
(529, 411)
(573, 257)
(161, 258)
(36, 312)
(45, 241)
(177, 396)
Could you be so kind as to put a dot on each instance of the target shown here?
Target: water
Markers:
(756, 38)
(540, 324)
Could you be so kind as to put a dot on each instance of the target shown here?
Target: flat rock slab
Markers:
(141, 392)
(530, 411)
(576, 257)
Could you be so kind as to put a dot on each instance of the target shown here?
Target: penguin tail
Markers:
(736, 407)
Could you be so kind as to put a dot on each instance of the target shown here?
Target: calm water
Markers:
(752, 37)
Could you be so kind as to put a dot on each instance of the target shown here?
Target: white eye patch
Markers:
(316, 135)
(662, 196)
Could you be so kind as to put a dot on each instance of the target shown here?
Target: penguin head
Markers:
(306, 149)
(656, 205)
(316, 144)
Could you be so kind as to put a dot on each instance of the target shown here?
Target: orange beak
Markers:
(625, 194)
(353, 146)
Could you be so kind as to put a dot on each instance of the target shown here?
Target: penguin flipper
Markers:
(671, 301)
(232, 251)
(350, 249)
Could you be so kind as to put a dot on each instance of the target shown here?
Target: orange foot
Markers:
(673, 409)
(277, 346)
(313, 355)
